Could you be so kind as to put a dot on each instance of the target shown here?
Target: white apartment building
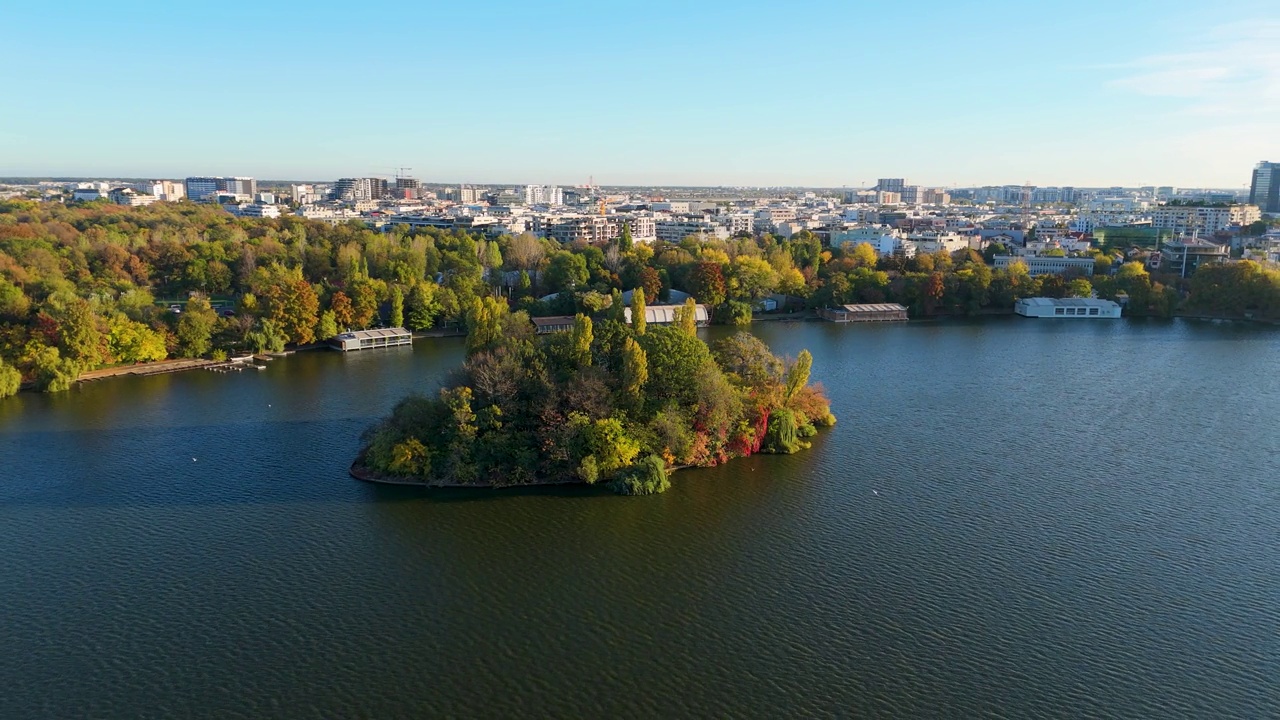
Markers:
(644, 228)
(886, 241)
(163, 190)
(543, 195)
(675, 229)
(129, 196)
(258, 210)
(1190, 220)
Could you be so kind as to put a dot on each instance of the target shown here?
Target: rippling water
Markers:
(1012, 518)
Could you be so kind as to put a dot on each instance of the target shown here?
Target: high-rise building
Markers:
(1265, 189)
(200, 189)
(891, 184)
(359, 189)
(238, 186)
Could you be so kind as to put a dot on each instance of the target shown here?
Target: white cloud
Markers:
(1232, 72)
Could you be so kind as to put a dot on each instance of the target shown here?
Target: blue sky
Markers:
(752, 93)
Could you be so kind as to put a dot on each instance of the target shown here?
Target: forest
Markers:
(611, 401)
(93, 285)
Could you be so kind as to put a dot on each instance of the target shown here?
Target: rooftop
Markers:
(1067, 302)
(375, 333)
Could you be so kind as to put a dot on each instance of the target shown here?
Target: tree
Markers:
(580, 341)
(485, 320)
(10, 380)
(268, 338)
(566, 271)
(647, 477)
(651, 282)
(707, 283)
(130, 341)
(798, 374)
(78, 336)
(195, 327)
(53, 373)
(754, 277)
(625, 243)
(396, 318)
(422, 306)
(364, 303)
(635, 369)
(343, 315)
(638, 319)
(686, 318)
(864, 255)
(748, 360)
(1080, 288)
(327, 327)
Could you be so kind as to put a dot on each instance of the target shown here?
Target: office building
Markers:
(206, 189)
(1265, 189)
(201, 189)
(891, 184)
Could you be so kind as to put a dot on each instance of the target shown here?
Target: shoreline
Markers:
(176, 365)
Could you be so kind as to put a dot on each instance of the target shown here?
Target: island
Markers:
(611, 400)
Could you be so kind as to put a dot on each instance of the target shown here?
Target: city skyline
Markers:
(812, 95)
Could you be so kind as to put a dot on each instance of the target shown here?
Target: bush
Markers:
(647, 477)
(10, 380)
(734, 313)
(781, 437)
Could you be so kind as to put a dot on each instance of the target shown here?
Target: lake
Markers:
(1012, 518)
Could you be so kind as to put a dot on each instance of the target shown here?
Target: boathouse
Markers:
(553, 324)
(871, 312)
(369, 339)
(1042, 307)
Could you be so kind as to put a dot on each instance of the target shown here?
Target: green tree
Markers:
(485, 322)
(10, 380)
(798, 374)
(327, 327)
(566, 271)
(753, 277)
(53, 373)
(638, 319)
(624, 240)
(269, 337)
(1079, 288)
(580, 341)
(397, 306)
(422, 306)
(78, 335)
(195, 328)
(635, 369)
(647, 477)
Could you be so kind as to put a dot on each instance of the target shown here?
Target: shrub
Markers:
(647, 477)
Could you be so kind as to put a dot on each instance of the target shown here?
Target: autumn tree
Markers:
(707, 283)
(340, 305)
(687, 318)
